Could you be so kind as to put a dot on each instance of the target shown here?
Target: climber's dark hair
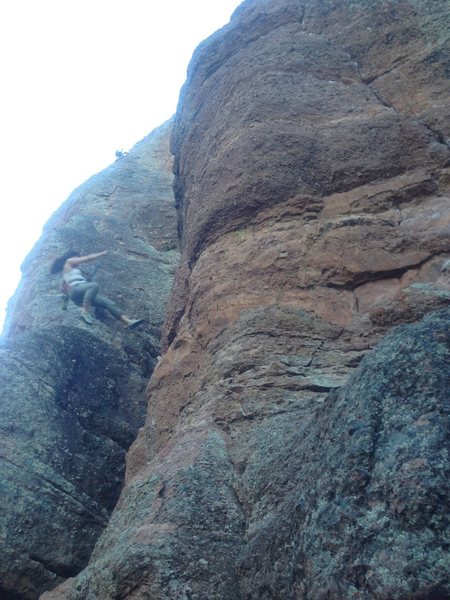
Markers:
(58, 264)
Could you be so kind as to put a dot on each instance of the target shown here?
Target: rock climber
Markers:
(85, 293)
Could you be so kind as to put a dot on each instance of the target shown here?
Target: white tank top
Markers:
(73, 277)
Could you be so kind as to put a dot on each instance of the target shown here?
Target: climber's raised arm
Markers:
(74, 261)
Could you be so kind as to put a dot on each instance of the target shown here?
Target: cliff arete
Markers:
(295, 444)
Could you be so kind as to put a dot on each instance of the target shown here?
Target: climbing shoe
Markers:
(135, 323)
(87, 318)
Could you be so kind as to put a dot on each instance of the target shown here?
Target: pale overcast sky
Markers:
(81, 79)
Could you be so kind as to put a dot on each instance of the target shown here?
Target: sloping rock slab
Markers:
(66, 421)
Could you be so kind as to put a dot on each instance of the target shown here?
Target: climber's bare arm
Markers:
(78, 260)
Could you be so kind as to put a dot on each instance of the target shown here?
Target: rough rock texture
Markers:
(126, 209)
(72, 396)
(374, 521)
(312, 184)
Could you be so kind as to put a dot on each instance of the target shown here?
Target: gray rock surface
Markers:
(72, 396)
(373, 521)
(126, 209)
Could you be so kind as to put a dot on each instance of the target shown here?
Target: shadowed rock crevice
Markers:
(364, 278)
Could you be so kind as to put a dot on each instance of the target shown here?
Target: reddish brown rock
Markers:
(312, 183)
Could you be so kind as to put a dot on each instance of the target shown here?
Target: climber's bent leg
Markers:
(102, 302)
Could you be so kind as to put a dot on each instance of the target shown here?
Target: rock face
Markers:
(126, 209)
(72, 396)
(282, 457)
(312, 184)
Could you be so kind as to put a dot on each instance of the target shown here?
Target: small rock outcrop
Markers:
(72, 396)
